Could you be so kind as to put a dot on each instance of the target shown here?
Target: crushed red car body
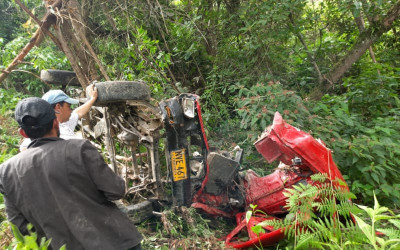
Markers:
(302, 156)
(214, 183)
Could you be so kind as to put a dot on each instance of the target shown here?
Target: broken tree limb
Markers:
(71, 57)
(361, 27)
(71, 31)
(46, 31)
(46, 22)
(35, 75)
(80, 33)
(365, 40)
(21, 55)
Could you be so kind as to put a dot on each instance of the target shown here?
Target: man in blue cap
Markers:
(67, 117)
(63, 187)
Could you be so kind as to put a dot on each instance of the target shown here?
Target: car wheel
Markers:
(59, 77)
(120, 91)
(139, 212)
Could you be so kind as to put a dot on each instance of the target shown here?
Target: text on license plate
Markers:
(178, 165)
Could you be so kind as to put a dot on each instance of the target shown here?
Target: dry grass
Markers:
(5, 235)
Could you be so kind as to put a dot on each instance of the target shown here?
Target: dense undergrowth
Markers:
(361, 126)
(321, 216)
(246, 60)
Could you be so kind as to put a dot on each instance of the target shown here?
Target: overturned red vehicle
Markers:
(202, 178)
(301, 156)
(213, 182)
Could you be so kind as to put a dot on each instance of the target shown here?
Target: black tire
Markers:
(59, 77)
(121, 91)
(139, 212)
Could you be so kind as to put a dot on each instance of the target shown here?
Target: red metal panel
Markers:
(269, 238)
(292, 142)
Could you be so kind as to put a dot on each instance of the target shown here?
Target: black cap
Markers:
(34, 112)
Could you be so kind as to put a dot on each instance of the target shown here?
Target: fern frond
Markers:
(354, 234)
(395, 222)
(340, 182)
(322, 229)
(319, 177)
(307, 241)
(326, 207)
(390, 232)
(309, 191)
(344, 208)
(274, 223)
(343, 194)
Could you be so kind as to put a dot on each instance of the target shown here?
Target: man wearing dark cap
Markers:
(63, 187)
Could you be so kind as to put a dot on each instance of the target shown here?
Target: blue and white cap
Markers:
(55, 96)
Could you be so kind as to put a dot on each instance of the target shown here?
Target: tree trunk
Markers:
(365, 40)
(72, 34)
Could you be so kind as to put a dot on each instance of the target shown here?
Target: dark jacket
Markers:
(64, 188)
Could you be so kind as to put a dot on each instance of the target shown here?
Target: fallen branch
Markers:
(28, 72)
(47, 21)
(55, 40)
(21, 55)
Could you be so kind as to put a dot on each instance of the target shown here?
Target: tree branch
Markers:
(309, 54)
(47, 21)
(55, 40)
(365, 40)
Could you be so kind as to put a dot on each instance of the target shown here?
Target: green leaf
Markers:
(30, 241)
(257, 229)
(383, 217)
(263, 123)
(254, 120)
(375, 177)
(17, 234)
(366, 229)
(248, 215)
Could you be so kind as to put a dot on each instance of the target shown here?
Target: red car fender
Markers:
(271, 237)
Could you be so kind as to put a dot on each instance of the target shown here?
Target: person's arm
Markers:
(13, 214)
(91, 91)
(101, 174)
(16, 217)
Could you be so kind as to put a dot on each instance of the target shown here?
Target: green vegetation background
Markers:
(246, 60)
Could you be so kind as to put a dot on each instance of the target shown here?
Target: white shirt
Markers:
(66, 131)
(67, 128)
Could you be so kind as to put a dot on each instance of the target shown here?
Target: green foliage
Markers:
(9, 138)
(28, 242)
(391, 235)
(228, 52)
(23, 78)
(2, 208)
(258, 104)
(371, 94)
(183, 228)
(11, 21)
(320, 217)
(362, 128)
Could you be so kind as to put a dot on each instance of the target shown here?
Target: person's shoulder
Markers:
(78, 143)
(80, 146)
(12, 160)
